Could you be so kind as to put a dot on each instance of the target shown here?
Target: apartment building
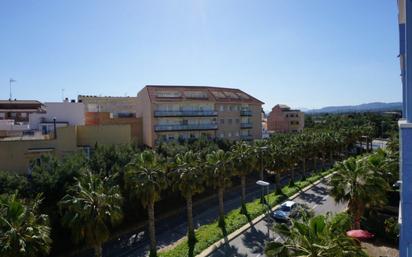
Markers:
(283, 119)
(172, 112)
(117, 106)
(14, 116)
(59, 114)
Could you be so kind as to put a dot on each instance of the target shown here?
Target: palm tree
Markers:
(188, 178)
(24, 232)
(277, 164)
(219, 165)
(358, 185)
(90, 208)
(313, 237)
(145, 178)
(261, 154)
(243, 165)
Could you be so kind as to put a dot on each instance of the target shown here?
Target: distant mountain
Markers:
(368, 107)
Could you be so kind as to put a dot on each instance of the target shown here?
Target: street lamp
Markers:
(263, 184)
(263, 148)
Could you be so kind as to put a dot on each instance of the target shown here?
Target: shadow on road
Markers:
(311, 198)
(254, 240)
(228, 250)
(320, 190)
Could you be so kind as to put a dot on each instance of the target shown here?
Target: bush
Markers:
(11, 182)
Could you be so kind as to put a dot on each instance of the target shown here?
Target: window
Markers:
(168, 94)
(237, 133)
(229, 134)
(237, 121)
(287, 115)
(222, 108)
(229, 121)
(222, 121)
(222, 134)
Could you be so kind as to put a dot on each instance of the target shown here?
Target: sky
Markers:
(304, 53)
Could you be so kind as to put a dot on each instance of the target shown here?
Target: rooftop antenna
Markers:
(11, 81)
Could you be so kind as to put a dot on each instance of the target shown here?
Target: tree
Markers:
(313, 237)
(145, 178)
(89, 208)
(358, 185)
(219, 165)
(243, 164)
(24, 231)
(188, 177)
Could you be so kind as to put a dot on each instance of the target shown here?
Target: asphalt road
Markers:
(173, 227)
(252, 241)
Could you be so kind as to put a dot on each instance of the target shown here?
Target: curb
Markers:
(239, 231)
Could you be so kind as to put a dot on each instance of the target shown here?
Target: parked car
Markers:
(284, 211)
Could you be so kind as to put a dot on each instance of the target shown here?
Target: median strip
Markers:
(210, 237)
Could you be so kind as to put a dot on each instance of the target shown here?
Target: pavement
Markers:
(252, 241)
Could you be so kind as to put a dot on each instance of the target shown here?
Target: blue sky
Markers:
(305, 53)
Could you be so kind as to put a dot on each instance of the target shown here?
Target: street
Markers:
(252, 241)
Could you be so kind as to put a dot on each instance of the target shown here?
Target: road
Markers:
(252, 241)
(173, 227)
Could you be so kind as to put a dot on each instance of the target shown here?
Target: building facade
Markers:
(173, 112)
(62, 114)
(117, 106)
(405, 128)
(14, 116)
(283, 119)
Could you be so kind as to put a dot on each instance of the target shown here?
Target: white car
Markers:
(283, 212)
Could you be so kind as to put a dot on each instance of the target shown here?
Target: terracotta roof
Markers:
(218, 94)
(21, 106)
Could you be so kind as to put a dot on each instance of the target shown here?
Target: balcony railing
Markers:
(183, 127)
(246, 137)
(245, 125)
(184, 113)
(245, 113)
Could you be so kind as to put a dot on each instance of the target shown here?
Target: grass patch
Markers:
(208, 234)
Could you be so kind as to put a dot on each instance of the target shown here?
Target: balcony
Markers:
(246, 137)
(245, 113)
(245, 125)
(185, 127)
(185, 113)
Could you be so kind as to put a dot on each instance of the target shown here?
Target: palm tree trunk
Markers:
(314, 164)
(98, 251)
(190, 226)
(152, 237)
(277, 183)
(304, 167)
(221, 207)
(243, 184)
(292, 176)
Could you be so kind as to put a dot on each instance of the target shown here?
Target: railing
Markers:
(246, 137)
(177, 127)
(184, 113)
(245, 113)
(245, 125)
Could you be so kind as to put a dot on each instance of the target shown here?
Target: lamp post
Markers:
(262, 149)
(263, 184)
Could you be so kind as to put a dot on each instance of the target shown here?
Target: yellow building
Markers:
(17, 153)
(172, 112)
